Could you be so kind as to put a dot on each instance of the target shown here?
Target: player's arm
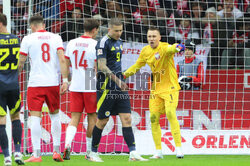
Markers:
(172, 49)
(22, 60)
(102, 66)
(64, 66)
(24, 49)
(64, 63)
(140, 62)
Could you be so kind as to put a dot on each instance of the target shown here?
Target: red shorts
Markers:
(81, 100)
(36, 96)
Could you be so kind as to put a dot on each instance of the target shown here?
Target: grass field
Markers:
(122, 160)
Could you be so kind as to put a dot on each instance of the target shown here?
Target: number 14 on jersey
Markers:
(82, 63)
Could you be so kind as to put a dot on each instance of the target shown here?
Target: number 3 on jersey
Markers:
(45, 52)
(81, 63)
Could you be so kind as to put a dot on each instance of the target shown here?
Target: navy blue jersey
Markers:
(9, 56)
(110, 49)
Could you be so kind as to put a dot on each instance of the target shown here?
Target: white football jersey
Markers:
(41, 47)
(82, 54)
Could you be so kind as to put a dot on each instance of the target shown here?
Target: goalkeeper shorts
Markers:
(159, 102)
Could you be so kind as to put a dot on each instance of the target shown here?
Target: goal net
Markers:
(213, 112)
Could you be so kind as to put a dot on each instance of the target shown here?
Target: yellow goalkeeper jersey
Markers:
(161, 62)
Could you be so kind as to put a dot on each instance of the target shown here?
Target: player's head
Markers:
(115, 28)
(189, 48)
(77, 13)
(36, 23)
(91, 27)
(153, 36)
(3, 20)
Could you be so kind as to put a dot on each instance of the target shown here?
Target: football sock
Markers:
(56, 128)
(88, 143)
(129, 138)
(36, 134)
(96, 138)
(17, 134)
(70, 134)
(4, 141)
(174, 125)
(156, 129)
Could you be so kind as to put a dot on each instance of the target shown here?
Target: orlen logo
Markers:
(167, 138)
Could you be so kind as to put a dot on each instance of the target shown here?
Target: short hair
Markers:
(90, 24)
(78, 8)
(153, 28)
(37, 19)
(114, 21)
(3, 19)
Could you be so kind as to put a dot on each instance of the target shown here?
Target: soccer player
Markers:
(9, 91)
(112, 97)
(82, 55)
(165, 87)
(44, 49)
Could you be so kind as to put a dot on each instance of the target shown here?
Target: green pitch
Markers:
(122, 160)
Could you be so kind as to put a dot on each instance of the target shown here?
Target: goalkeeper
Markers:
(190, 70)
(165, 87)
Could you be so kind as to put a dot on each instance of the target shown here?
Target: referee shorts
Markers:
(112, 102)
(12, 99)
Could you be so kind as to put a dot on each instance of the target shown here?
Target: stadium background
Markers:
(214, 120)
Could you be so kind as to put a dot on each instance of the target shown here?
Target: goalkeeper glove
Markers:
(180, 47)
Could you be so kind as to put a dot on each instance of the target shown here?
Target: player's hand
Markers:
(180, 47)
(123, 85)
(64, 88)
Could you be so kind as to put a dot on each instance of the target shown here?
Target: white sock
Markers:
(158, 152)
(36, 134)
(88, 143)
(70, 134)
(56, 128)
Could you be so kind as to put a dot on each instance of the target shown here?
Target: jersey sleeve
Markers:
(101, 50)
(24, 50)
(169, 50)
(137, 66)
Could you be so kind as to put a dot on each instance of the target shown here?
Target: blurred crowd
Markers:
(222, 24)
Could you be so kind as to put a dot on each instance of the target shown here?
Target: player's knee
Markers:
(101, 123)
(15, 116)
(153, 119)
(2, 120)
(127, 121)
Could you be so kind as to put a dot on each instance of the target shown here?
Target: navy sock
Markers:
(17, 134)
(129, 138)
(4, 141)
(96, 138)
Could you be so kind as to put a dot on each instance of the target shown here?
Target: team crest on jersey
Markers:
(107, 113)
(99, 52)
(157, 56)
(113, 48)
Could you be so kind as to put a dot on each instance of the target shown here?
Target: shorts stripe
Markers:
(105, 83)
(105, 92)
(100, 101)
(13, 110)
(2, 111)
